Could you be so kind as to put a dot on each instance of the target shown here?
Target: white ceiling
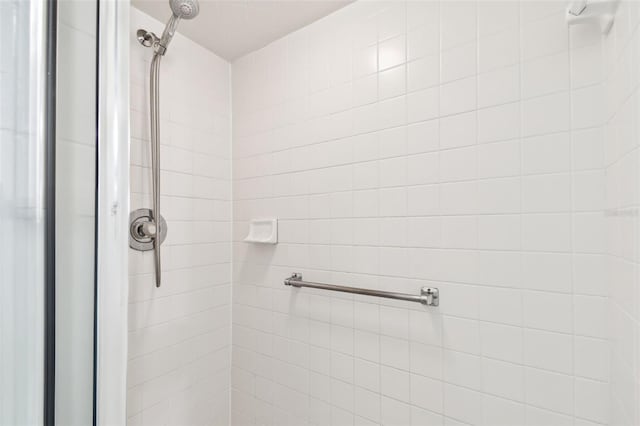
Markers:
(232, 28)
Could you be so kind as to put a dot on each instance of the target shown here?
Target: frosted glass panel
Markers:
(22, 214)
(75, 210)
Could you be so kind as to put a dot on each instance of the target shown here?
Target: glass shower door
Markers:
(23, 212)
(48, 162)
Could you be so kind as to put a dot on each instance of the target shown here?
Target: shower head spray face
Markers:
(185, 9)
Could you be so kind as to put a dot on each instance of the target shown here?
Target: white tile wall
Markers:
(400, 146)
(621, 222)
(453, 144)
(180, 334)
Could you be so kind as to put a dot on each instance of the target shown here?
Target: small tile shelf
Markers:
(263, 231)
(599, 11)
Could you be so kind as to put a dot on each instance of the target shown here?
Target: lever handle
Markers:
(147, 229)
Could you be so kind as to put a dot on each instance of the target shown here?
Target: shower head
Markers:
(182, 9)
(185, 9)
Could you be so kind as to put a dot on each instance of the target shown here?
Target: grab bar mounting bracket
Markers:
(432, 296)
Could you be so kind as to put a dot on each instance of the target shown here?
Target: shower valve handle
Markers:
(147, 229)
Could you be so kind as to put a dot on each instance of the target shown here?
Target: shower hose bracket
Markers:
(147, 38)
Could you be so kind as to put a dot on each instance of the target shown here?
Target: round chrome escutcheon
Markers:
(138, 240)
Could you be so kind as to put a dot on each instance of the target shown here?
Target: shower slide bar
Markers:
(428, 296)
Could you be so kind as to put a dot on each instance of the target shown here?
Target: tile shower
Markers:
(483, 148)
(180, 333)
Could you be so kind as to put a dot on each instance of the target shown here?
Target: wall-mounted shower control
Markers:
(143, 235)
(143, 230)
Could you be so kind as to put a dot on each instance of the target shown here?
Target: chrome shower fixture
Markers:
(182, 9)
(147, 228)
(185, 9)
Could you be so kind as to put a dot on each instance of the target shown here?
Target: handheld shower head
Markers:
(182, 9)
(185, 9)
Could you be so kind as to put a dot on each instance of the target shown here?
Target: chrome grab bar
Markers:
(429, 296)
